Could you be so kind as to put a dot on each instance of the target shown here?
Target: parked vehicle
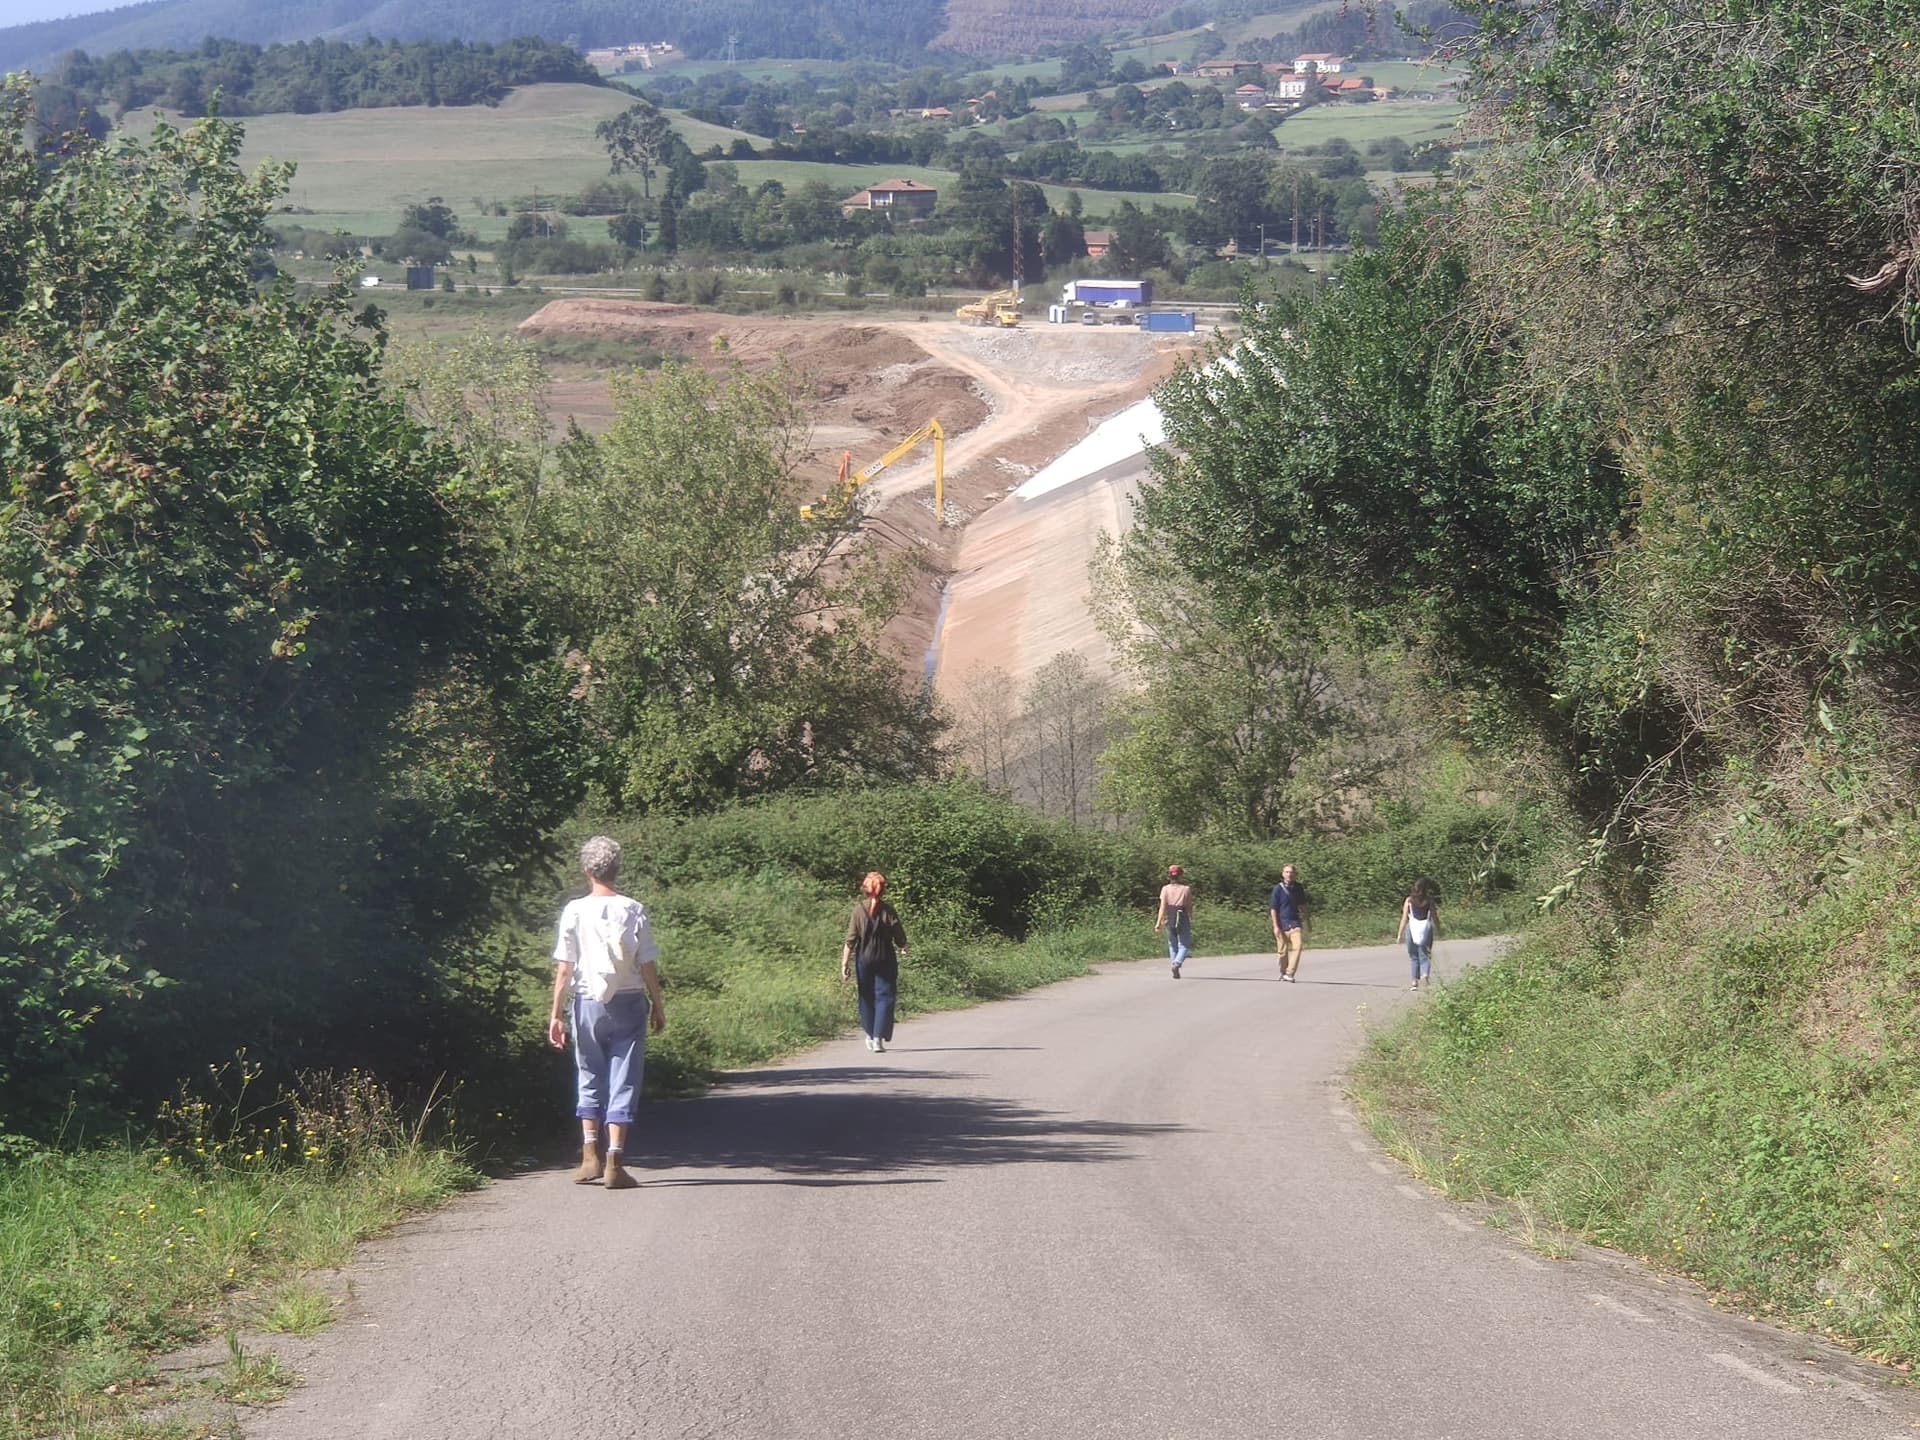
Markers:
(1107, 292)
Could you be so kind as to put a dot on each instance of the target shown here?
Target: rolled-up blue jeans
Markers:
(609, 1054)
(1420, 955)
(1179, 936)
(878, 984)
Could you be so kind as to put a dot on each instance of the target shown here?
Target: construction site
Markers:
(1037, 431)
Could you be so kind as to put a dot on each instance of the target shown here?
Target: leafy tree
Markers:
(267, 734)
(1362, 455)
(731, 643)
(1245, 720)
(1139, 241)
(639, 139)
(1065, 240)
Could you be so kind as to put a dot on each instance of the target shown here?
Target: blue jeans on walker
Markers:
(609, 1054)
(878, 984)
(1179, 937)
(1420, 953)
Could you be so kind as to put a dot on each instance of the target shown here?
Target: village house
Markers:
(1250, 97)
(1326, 64)
(936, 112)
(1098, 243)
(907, 199)
(1290, 87)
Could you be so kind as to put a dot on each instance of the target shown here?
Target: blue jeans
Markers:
(609, 1054)
(878, 984)
(1179, 937)
(1420, 953)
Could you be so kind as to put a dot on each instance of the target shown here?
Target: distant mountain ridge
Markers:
(898, 30)
(837, 29)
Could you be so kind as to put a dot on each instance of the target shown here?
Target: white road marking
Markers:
(1526, 1260)
(1378, 1168)
(1626, 1312)
(1359, 1147)
(1455, 1221)
(1409, 1192)
(1755, 1374)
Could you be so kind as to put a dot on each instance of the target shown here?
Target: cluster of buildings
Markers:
(630, 57)
(1281, 86)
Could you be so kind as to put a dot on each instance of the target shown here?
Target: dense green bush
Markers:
(270, 729)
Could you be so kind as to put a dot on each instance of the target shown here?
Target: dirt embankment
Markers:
(1009, 401)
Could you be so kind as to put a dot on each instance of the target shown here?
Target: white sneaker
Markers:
(879, 1044)
(869, 1040)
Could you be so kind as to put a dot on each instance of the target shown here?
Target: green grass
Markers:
(115, 1253)
(1732, 1091)
(1413, 121)
(374, 163)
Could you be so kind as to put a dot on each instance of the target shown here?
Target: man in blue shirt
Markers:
(1288, 910)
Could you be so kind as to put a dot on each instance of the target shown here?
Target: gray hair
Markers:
(600, 858)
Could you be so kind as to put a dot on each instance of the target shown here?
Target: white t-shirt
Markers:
(606, 938)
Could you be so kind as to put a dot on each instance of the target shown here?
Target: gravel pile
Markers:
(1058, 356)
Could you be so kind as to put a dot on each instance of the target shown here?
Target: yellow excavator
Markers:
(1001, 308)
(851, 479)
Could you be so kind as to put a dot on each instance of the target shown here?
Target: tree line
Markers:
(305, 648)
(308, 76)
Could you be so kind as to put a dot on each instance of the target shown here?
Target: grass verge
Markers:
(1733, 1094)
(119, 1252)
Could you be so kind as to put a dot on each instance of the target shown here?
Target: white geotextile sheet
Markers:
(1113, 440)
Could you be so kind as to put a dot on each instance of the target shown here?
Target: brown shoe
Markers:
(589, 1170)
(616, 1174)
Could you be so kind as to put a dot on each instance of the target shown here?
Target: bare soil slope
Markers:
(1009, 401)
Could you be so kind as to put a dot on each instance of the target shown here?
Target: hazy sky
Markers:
(19, 12)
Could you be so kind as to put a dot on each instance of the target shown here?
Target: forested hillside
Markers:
(996, 27)
(306, 77)
(884, 29)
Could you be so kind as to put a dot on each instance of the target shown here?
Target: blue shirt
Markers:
(1289, 900)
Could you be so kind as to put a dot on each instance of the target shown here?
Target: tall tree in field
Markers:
(640, 139)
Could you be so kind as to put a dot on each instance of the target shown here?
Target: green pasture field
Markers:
(1414, 121)
(374, 163)
(1411, 74)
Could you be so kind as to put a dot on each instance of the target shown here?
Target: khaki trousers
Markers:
(1292, 942)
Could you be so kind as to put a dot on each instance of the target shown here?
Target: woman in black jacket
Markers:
(875, 942)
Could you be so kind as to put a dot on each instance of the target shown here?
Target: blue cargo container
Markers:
(1169, 322)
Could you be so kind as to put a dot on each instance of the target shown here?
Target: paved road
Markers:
(1122, 1206)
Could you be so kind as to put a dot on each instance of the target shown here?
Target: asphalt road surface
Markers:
(1121, 1206)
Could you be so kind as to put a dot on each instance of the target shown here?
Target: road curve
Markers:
(1121, 1206)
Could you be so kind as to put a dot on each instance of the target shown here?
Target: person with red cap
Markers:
(1176, 917)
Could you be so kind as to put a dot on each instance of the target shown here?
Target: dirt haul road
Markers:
(1009, 400)
(1117, 1207)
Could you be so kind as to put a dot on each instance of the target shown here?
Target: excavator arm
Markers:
(930, 431)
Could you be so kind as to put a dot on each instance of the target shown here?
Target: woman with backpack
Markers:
(1420, 927)
(606, 974)
(875, 942)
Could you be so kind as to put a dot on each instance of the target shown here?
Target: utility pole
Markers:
(1296, 212)
(1015, 191)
